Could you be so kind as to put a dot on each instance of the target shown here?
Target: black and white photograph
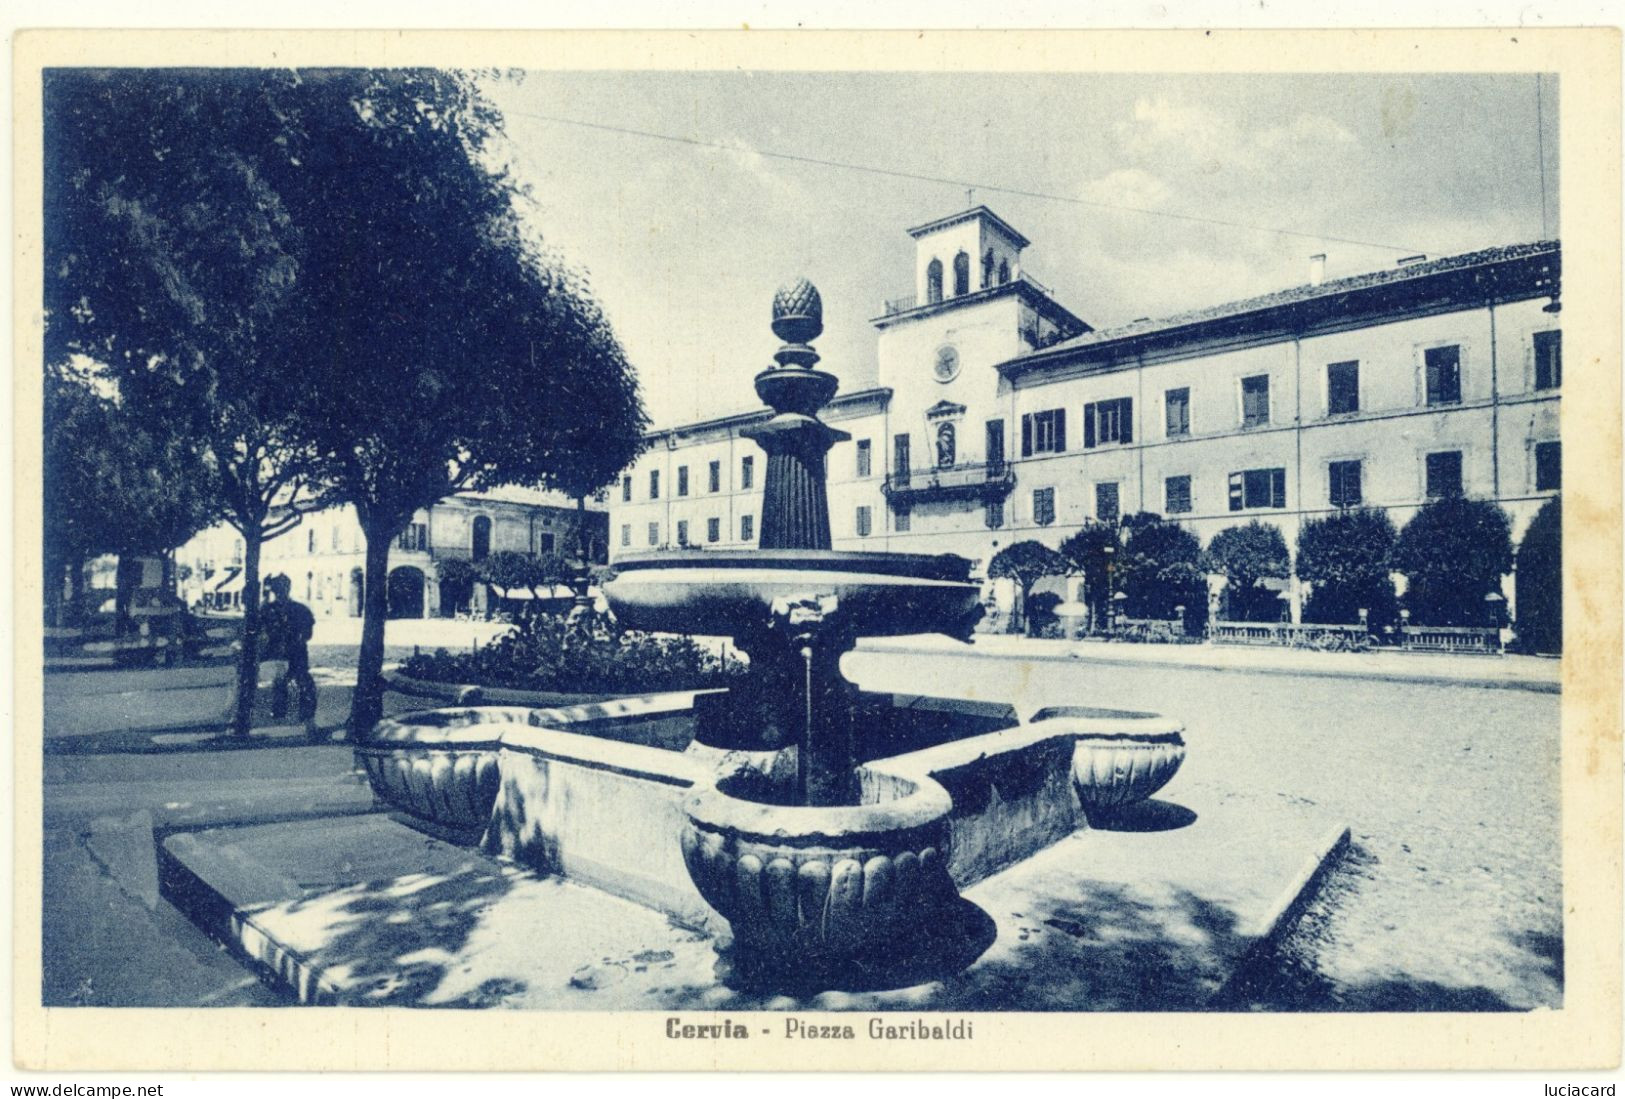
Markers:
(825, 562)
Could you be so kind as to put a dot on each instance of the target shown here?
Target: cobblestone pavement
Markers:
(1451, 896)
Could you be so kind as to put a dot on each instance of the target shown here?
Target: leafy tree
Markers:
(455, 353)
(457, 576)
(1161, 570)
(1539, 579)
(332, 266)
(1453, 553)
(114, 483)
(1095, 550)
(1026, 563)
(1346, 557)
(510, 570)
(171, 256)
(1247, 555)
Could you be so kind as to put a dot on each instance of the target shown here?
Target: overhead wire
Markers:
(969, 184)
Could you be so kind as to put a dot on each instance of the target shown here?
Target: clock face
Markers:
(947, 365)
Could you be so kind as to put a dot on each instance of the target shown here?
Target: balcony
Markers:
(971, 480)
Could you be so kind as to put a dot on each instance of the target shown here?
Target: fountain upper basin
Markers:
(722, 592)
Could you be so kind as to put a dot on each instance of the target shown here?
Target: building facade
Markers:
(325, 555)
(1001, 416)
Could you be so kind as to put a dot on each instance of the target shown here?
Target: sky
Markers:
(685, 243)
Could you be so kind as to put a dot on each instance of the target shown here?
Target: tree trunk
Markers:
(367, 705)
(248, 660)
(124, 577)
(56, 573)
(76, 589)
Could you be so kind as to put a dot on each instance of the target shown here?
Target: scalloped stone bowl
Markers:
(1114, 770)
(440, 765)
(807, 888)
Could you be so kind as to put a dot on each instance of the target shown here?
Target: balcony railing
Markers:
(984, 480)
(892, 306)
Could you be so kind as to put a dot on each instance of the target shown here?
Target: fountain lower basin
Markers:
(804, 890)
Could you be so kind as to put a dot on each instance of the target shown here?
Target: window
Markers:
(654, 484)
(1176, 405)
(1443, 367)
(1004, 271)
(1258, 488)
(1176, 492)
(550, 542)
(1548, 360)
(1255, 401)
(987, 269)
(714, 477)
(626, 534)
(747, 471)
(480, 543)
(961, 274)
(414, 537)
(682, 532)
(993, 449)
(1108, 422)
(1548, 466)
(654, 534)
(1043, 506)
(310, 540)
(1343, 488)
(933, 282)
(1043, 432)
(862, 522)
(626, 489)
(1444, 474)
(1106, 501)
(713, 530)
(900, 458)
(993, 514)
(865, 459)
(947, 446)
(901, 521)
(747, 528)
(682, 480)
(1342, 388)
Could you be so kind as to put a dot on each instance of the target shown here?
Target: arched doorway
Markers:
(481, 548)
(358, 591)
(406, 592)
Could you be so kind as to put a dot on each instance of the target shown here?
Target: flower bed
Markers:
(548, 653)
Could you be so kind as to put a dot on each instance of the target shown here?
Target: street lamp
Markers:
(1108, 551)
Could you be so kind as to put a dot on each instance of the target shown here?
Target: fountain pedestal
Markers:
(810, 879)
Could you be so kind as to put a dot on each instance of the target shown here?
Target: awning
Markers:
(558, 591)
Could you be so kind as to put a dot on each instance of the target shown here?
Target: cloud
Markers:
(1305, 130)
(760, 170)
(1165, 131)
(1127, 187)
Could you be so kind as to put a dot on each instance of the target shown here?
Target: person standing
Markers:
(288, 628)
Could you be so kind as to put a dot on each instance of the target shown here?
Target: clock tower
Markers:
(973, 307)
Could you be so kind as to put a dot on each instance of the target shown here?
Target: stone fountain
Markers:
(830, 827)
(810, 869)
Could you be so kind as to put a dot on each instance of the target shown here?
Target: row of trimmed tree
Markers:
(278, 291)
(1453, 554)
(508, 570)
